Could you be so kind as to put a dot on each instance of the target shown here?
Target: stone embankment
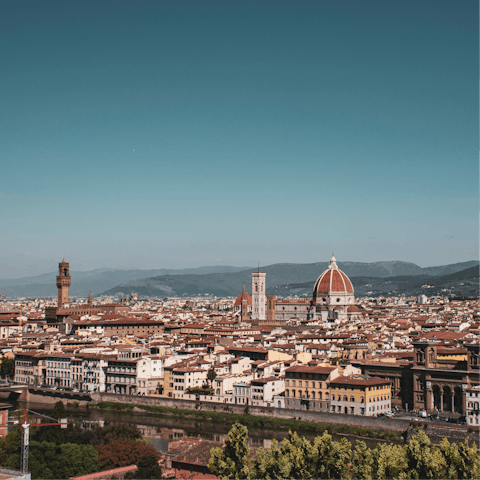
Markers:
(435, 431)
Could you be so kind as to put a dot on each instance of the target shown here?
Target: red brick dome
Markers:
(333, 280)
(238, 301)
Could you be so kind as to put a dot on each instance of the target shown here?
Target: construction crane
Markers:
(24, 449)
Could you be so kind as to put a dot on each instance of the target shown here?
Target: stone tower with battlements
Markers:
(258, 295)
(63, 282)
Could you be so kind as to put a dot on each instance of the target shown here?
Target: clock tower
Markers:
(63, 282)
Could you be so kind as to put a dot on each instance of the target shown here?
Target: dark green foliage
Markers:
(200, 390)
(63, 453)
(7, 367)
(148, 468)
(232, 461)
(48, 460)
(325, 458)
(211, 375)
(59, 410)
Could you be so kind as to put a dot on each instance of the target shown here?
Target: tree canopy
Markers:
(327, 459)
(120, 453)
(7, 367)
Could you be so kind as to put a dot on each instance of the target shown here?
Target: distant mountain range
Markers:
(462, 284)
(95, 281)
(230, 284)
(219, 280)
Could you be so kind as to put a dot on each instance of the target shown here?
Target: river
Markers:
(161, 430)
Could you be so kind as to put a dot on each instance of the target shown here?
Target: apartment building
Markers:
(25, 367)
(77, 373)
(360, 395)
(223, 384)
(473, 403)
(263, 390)
(93, 371)
(184, 378)
(308, 386)
(242, 393)
(149, 375)
(58, 370)
(121, 376)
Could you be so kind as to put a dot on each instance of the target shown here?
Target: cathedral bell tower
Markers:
(63, 282)
(258, 295)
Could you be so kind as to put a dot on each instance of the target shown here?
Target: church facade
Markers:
(333, 300)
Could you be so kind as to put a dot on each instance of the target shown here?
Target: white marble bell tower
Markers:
(258, 296)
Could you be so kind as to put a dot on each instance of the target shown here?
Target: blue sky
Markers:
(187, 133)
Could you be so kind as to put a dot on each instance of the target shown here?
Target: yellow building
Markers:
(307, 387)
(360, 395)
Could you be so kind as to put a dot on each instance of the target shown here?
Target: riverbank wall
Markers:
(435, 431)
(377, 423)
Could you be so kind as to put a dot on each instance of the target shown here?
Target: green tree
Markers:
(387, 461)
(47, 460)
(148, 468)
(121, 453)
(332, 458)
(270, 463)
(211, 376)
(7, 367)
(423, 460)
(10, 445)
(299, 456)
(362, 461)
(461, 460)
(232, 461)
(59, 410)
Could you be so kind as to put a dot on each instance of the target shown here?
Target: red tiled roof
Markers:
(306, 369)
(359, 381)
(106, 473)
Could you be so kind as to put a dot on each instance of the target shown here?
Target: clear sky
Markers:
(175, 134)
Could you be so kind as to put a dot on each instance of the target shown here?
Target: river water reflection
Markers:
(161, 430)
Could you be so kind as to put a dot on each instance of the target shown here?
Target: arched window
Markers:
(352, 398)
(313, 395)
(362, 400)
(287, 393)
(320, 395)
(333, 396)
(293, 393)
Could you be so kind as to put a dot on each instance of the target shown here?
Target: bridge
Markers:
(30, 393)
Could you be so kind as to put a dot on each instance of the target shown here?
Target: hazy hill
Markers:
(222, 284)
(216, 280)
(95, 281)
(463, 283)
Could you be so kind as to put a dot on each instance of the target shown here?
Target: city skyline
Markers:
(177, 135)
